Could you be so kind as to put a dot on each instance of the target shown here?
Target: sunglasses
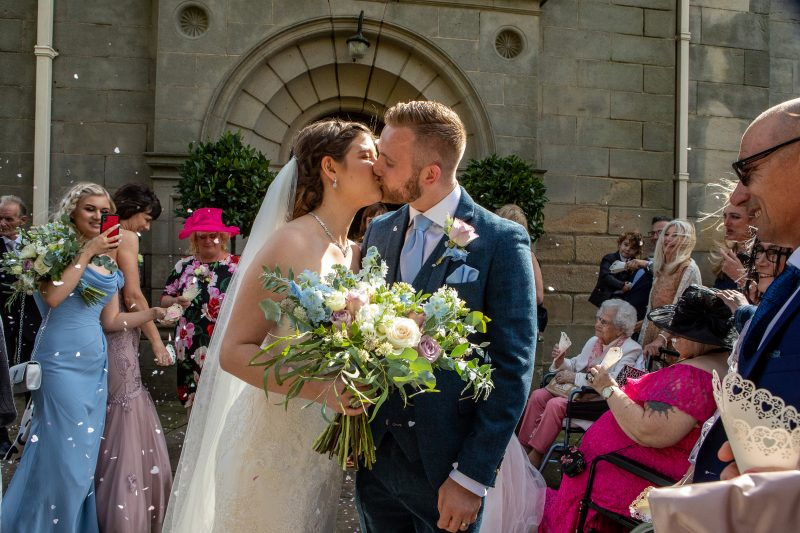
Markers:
(740, 166)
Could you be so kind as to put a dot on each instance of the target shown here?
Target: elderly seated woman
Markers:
(545, 412)
(653, 420)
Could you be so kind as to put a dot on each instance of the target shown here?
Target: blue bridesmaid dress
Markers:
(53, 487)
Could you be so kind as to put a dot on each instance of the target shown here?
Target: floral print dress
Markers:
(195, 327)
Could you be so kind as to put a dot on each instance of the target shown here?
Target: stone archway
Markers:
(304, 73)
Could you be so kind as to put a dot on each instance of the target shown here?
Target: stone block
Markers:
(492, 22)
(10, 35)
(102, 12)
(517, 121)
(271, 150)
(437, 91)
(174, 136)
(643, 50)
(583, 311)
(565, 16)
(717, 64)
(780, 10)
(591, 249)
(657, 194)
(380, 85)
(609, 75)
(575, 101)
(651, 4)
(520, 90)
(175, 69)
(756, 68)
(248, 12)
(69, 169)
(624, 219)
(18, 102)
(609, 192)
(488, 85)
(719, 133)
(609, 133)
(658, 137)
(571, 278)
(130, 106)
(783, 38)
(288, 64)
(302, 91)
(692, 97)
(324, 80)
(463, 51)
(739, 101)
(241, 37)
(722, 27)
(16, 135)
(554, 70)
(104, 138)
(557, 129)
(417, 73)
(420, 19)
(189, 102)
(555, 248)
(575, 218)
(781, 75)
(560, 188)
(711, 165)
(659, 23)
(559, 309)
(659, 80)
(284, 107)
(129, 41)
(642, 107)
(114, 73)
(93, 104)
(459, 23)
(524, 147)
(584, 160)
(390, 58)
(574, 43)
(24, 10)
(641, 164)
(22, 64)
(733, 5)
(120, 170)
(611, 18)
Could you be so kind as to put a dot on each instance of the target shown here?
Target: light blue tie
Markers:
(413, 251)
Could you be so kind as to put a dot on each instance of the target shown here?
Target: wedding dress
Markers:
(247, 464)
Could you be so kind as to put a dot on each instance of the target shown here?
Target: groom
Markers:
(438, 455)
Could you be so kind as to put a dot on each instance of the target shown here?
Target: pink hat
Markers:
(206, 219)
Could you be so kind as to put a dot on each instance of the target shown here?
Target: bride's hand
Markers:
(340, 399)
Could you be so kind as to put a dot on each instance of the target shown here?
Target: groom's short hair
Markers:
(440, 134)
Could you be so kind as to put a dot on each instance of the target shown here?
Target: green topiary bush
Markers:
(496, 181)
(226, 174)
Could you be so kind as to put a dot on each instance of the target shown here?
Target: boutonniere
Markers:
(459, 235)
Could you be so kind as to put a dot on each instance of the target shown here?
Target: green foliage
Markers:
(226, 174)
(496, 181)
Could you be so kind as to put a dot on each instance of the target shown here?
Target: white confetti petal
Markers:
(77, 354)
(116, 149)
(154, 470)
(75, 75)
(34, 438)
(55, 520)
(90, 430)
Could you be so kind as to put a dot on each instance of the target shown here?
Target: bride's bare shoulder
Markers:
(286, 244)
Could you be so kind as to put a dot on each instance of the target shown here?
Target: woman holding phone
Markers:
(132, 487)
(53, 487)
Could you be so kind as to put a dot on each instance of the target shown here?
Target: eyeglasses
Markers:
(773, 253)
(740, 166)
(603, 321)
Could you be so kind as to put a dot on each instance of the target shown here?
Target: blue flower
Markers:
(458, 254)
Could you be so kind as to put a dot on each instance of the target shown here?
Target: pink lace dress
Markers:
(684, 387)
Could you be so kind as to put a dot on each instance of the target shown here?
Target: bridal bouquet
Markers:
(44, 254)
(375, 338)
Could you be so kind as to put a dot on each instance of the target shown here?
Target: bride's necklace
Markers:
(345, 249)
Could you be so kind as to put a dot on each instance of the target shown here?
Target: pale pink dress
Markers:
(133, 478)
(682, 386)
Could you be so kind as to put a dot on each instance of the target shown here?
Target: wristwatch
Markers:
(608, 391)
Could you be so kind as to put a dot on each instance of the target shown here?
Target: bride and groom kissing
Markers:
(247, 462)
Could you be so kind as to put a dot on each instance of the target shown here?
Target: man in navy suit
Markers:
(438, 455)
(769, 170)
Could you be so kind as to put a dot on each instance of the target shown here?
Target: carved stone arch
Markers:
(304, 73)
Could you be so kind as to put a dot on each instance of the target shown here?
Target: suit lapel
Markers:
(397, 227)
(747, 364)
(430, 277)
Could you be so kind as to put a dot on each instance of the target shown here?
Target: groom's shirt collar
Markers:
(439, 212)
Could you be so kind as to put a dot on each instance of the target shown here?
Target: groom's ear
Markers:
(431, 173)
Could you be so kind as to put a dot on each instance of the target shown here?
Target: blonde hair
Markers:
(69, 202)
(440, 134)
(194, 247)
(683, 251)
(514, 213)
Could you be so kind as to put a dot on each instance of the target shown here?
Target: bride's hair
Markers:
(327, 137)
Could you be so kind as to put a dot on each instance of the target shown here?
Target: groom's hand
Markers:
(341, 400)
(458, 507)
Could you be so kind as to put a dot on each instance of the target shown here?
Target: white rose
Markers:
(28, 252)
(336, 301)
(40, 267)
(403, 333)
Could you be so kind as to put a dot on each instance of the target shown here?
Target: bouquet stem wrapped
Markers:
(374, 338)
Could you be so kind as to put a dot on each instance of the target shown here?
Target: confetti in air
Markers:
(34, 438)
(75, 76)
(116, 149)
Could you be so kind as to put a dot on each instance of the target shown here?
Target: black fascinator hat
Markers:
(700, 315)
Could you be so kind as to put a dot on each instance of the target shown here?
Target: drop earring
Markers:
(334, 183)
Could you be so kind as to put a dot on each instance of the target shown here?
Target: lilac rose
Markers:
(341, 318)
(429, 348)
(356, 300)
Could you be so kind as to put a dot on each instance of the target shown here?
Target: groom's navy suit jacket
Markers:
(774, 366)
(445, 427)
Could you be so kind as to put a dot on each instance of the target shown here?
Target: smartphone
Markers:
(108, 220)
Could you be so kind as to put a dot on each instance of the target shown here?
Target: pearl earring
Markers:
(334, 183)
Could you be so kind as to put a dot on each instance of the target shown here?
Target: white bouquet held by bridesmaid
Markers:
(375, 338)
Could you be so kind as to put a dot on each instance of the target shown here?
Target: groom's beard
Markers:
(410, 191)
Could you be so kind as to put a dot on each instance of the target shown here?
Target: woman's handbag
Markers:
(25, 377)
(573, 462)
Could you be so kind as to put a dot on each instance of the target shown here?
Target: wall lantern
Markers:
(357, 44)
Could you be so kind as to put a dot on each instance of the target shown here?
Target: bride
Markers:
(247, 462)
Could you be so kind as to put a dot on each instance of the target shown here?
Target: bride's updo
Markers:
(328, 137)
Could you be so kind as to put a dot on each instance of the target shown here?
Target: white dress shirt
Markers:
(437, 214)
